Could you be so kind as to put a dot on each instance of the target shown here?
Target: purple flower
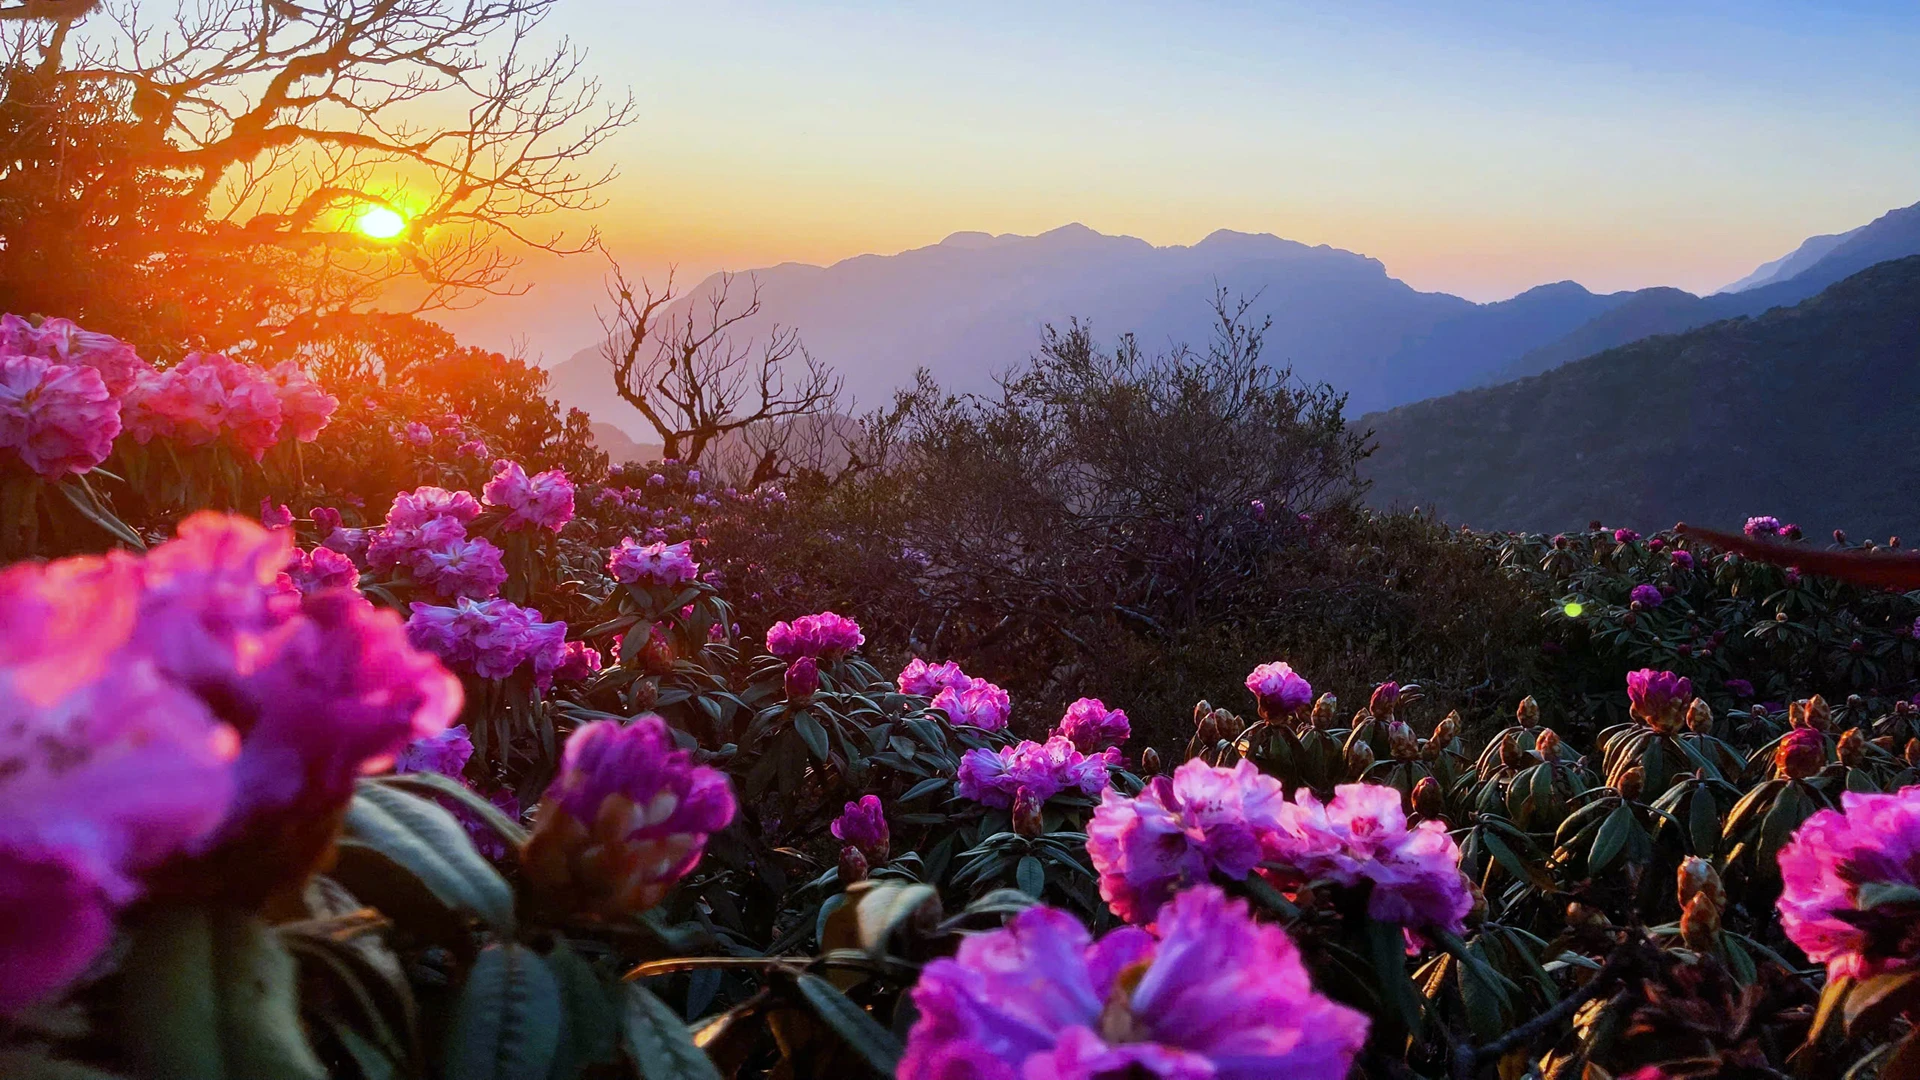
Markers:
(927, 680)
(1659, 698)
(413, 509)
(981, 705)
(1828, 870)
(1682, 559)
(1209, 994)
(1763, 526)
(1625, 536)
(456, 568)
(1178, 830)
(1092, 727)
(446, 753)
(1362, 835)
(1280, 689)
(1259, 509)
(628, 816)
(63, 342)
(802, 679)
(322, 568)
(490, 638)
(59, 418)
(541, 501)
(823, 635)
(1043, 770)
(1739, 688)
(1647, 596)
(275, 517)
(658, 563)
(579, 662)
(418, 434)
(864, 825)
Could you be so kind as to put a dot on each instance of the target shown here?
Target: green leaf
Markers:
(852, 1023)
(590, 1024)
(1876, 1000)
(426, 841)
(212, 995)
(1387, 949)
(433, 783)
(1611, 840)
(506, 1024)
(1884, 893)
(31, 1065)
(1031, 876)
(81, 496)
(1520, 868)
(886, 906)
(661, 1047)
(1703, 821)
(812, 734)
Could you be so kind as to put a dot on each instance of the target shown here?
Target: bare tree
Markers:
(293, 120)
(695, 383)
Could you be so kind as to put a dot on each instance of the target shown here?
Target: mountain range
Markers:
(1803, 412)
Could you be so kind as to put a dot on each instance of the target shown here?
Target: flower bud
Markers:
(1027, 820)
(1699, 716)
(1800, 754)
(1359, 759)
(1149, 762)
(1579, 914)
(1444, 732)
(803, 679)
(1324, 711)
(1385, 696)
(1700, 923)
(1528, 713)
(1201, 710)
(1547, 745)
(1401, 741)
(1510, 753)
(1851, 749)
(853, 865)
(1698, 877)
(1913, 752)
(1631, 783)
(656, 656)
(1819, 716)
(1428, 800)
(1227, 725)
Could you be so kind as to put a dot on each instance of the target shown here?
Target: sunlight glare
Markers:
(381, 223)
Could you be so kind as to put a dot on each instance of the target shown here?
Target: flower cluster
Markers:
(1092, 727)
(1362, 836)
(1208, 993)
(1659, 698)
(981, 704)
(59, 418)
(208, 396)
(1848, 880)
(863, 825)
(541, 501)
(1647, 596)
(657, 563)
(172, 704)
(927, 680)
(627, 817)
(1280, 690)
(426, 535)
(1038, 770)
(1765, 525)
(490, 638)
(321, 568)
(824, 636)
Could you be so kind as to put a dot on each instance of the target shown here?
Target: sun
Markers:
(380, 222)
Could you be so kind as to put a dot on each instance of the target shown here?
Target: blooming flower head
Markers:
(1201, 820)
(863, 824)
(59, 418)
(1362, 835)
(1659, 698)
(981, 705)
(304, 407)
(1042, 770)
(417, 434)
(579, 661)
(1740, 688)
(927, 680)
(541, 501)
(1208, 994)
(1625, 536)
(446, 753)
(1280, 690)
(1763, 526)
(657, 563)
(275, 517)
(1647, 596)
(627, 817)
(490, 638)
(1801, 753)
(1092, 727)
(416, 508)
(825, 635)
(61, 341)
(1682, 559)
(458, 567)
(1832, 869)
(322, 568)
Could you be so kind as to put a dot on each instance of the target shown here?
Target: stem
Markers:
(1467, 1057)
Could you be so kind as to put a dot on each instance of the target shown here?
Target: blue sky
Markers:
(1477, 148)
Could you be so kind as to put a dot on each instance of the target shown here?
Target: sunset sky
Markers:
(1478, 150)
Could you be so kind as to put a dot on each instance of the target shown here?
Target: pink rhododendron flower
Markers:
(59, 418)
(541, 501)
(63, 342)
(982, 705)
(927, 680)
(995, 778)
(1279, 689)
(1682, 559)
(1659, 698)
(579, 662)
(414, 509)
(1092, 727)
(1362, 835)
(322, 568)
(460, 568)
(1178, 830)
(490, 638)
(657, 563)
(627, 817)
(304, 407)
(446, 753)
(473, 448)
(1208, 994)
(1765, 525)
(864, 825)
(825, 635)
(417, 434)
(1647, 596)
(241, 396)
(275, 517)
(1871, 844)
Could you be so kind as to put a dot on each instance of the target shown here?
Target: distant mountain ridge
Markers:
(1802, 412)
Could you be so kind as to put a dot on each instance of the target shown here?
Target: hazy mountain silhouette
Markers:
(1811, 251)
(973, 305)
(1801, 412)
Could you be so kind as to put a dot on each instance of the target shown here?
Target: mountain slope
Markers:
(1802, 412)
(1810, 251)
(974, 305)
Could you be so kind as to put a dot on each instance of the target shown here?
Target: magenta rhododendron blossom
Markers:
(627, 817)
(460, 568)
(490, 638)
(415, 509)
(1279, 688)
(825, 635)
(656, 564)
(1092, 727)
(1180, 829)
(63, 342)
(1362, 835)
(321, 568)
(1682, 559)
(275, 516)
(1625, 536)
(927, 680)
(1765, 525)
(995, 778)
(1870, 845)
(579, 662)
(446, 753)
(1659, 698)
(1647, 596)
(59, 418)
(541, 501)
(981, 705)
(304, 407)
(1208, 994)
(864, 825)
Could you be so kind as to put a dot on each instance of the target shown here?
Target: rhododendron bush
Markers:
(519, 771)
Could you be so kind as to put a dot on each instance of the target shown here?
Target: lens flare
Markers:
(380, 223)
(1574, 609)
